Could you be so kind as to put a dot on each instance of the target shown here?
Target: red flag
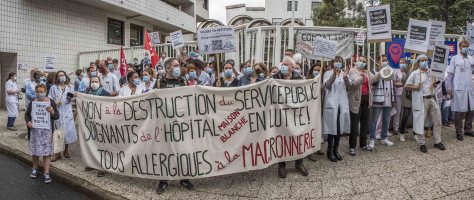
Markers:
(148, 47)
(123, 63)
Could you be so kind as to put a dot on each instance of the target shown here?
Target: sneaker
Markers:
(389, 134)
(402, 138)
(162, 187)
(352, 152)
(387, 142)
(366, 148)
(416, 138)
(34, 173)
(302, 169)
(378, 137)
(440, 146)
(187, 184)
(47, 178)
(423, 149)
(372, 144)
(471, 134)
(12, 128)
(460, 137)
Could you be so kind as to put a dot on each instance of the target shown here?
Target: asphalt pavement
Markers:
(15, 183)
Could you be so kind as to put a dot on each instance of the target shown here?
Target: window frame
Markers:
(140, 35)
(122, 36)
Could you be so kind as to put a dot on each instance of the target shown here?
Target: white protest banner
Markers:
(50, 64)
(198, 131)
(324, 48)
(177, 40)
(216, 40)
(379, 23)
(345, 42)
(439, 61)
(438, 29)
(155, 38)
(418, 36)
(360, 38)
(40, 117)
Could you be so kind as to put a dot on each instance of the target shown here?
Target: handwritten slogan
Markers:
(40, 116)
(196, 132)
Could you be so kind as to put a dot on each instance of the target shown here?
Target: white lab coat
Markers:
(418, 106)
(462, 84)
(335, 98)
(66, 118)
(11, 100)
(125, 91)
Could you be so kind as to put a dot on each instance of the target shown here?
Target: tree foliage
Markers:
(339, 13)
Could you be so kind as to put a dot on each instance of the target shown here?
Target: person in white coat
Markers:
(62, 92)
(134, 86)
(11, 100)
(336, 118)
(460, 87)
(424, 103)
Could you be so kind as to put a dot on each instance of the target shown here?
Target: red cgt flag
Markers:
(148, 47)
(123, 63)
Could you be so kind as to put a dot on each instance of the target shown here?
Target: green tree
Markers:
(339, 13)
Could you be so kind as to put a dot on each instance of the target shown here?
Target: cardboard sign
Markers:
(379, 24)
(439, 61)
(155, 38)
(344, 39)
(198, 131)
(418, 36)
(324, 48)
(40, 117)
(216, 40)
(438, 29)
(177, 40)
(50, 64)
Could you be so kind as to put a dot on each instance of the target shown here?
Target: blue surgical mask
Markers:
(136, 81)
(315, 73)
(284, 69)
(111, 66)
(424, 64)
(403, 65)
(209, 70)
(361, 65)
(176, 72)
(338, 65)
(228, 73)
(385, 64)
(248, 71)
(146, 78)
(192, 74)
(298, 71)
(465, 50)
(93, 74)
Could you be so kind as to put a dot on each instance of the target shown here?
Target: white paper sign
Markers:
(344, 40)
(40, 117)
(360, 38)
(324, 48)
(418, 36)
(155, 38)
(198, 131)
(50, 64)
(438, 29)
(379, 24)
(439, 61)
(216, 40)
(177, 40)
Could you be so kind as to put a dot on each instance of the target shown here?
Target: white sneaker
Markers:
(378, 137)
(416, 138)
(387, 142)
(389, 134)
(402, 138)
(372, 144)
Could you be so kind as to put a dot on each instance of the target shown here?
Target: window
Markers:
(136, 35)
(206, 4)
(315, 4)
(289, 6)
(276, 21)
(115, 32)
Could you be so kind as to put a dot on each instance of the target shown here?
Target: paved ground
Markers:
(398, 172)
(16, 184)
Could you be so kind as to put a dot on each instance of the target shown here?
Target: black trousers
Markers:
(403, 124)
(297, 163)
(361, 118)
(333, 140)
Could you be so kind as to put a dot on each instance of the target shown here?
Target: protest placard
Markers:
(344, 39)
(438, 29)
(50, 64)
(360, 38)
(439, 61)
(418, 36)
(40, 117)
(216, 40)
(197, 131)
(177, 40)
(324, 48)
(155, 38)
(379, 24)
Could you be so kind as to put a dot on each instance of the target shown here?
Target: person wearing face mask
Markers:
(192, 74)
(11, 100)
(251, 74)
(336, 118)
(405, 99)
(40, 141)
(273, 71)
(145, 61)
(287, 73)
(313, 73)
(38, 78)
(96, 87)
(424, 103)
(26, 84)
(460, 88)
(115, 68)
(134, 86)
(136, 65)
(298, 70)
(61, 93)
(228, 80)
(77, 82)
(148, 81)
(398, 84)
(109, 81)
(161, 62)
(211, 71)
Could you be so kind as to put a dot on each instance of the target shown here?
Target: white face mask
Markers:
(95, 86)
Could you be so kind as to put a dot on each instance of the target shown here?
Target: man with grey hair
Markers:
(286, 72)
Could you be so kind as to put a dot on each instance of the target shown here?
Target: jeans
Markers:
(361, 130)
(385, 121)
(404, 121)
(445, 112)
(10, 122)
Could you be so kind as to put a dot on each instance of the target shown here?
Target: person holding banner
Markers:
(149, 81)
(424, 103)
(134, 86)
(287, 73)
(336, 119)
(63, 92)
(192, 74)
(313, 73)
(96, 87)
(252, 74)
(40, 141)
(11, 100)
(460, 87)
(228, 80)
(110, 82)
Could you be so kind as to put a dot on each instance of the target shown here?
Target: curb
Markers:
(74, 182)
